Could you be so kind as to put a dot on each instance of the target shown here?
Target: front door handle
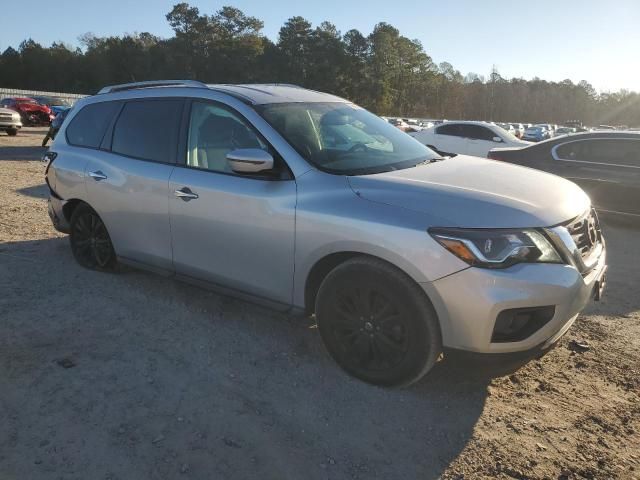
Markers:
(185, 194)
(97, 175)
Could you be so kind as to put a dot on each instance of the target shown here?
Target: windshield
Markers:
(534, 129)
(344, 139)
(52, 101)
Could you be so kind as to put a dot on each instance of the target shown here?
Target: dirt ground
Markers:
(134, 376)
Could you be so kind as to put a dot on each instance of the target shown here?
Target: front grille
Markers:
(6, 116)
(586, 233)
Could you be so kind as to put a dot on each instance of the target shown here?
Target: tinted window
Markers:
(477, 132)
(148, 129)
(215, 131)
(88, 126)
(452, 129)
(611, 151)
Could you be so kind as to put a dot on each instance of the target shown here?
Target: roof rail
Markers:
(151, 84)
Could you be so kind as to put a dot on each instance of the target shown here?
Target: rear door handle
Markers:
(185, 194)
(97, 175)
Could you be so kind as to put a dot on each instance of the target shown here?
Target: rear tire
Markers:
(377, 323)
(90, 241)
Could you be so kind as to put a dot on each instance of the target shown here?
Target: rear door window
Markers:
(88, 127)
(477, 132)
(148, 129)
(452, 129)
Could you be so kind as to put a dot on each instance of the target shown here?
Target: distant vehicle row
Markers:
(466, 138)
(39, 110)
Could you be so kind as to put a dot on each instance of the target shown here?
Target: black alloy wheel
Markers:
(90, 241)
(376, 323)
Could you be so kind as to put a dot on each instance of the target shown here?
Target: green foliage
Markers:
(386, 72)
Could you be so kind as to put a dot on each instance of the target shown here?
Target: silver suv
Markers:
(308, 203)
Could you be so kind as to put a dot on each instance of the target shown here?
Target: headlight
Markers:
(499, 248)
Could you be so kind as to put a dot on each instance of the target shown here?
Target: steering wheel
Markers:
(358, 147)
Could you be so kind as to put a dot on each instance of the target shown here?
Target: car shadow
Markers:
(143, 368)
(21, 153)
(35, 191)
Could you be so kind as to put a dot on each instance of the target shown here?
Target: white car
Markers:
(508, 127)
(519, 129)
(548, 127)
(467, 138)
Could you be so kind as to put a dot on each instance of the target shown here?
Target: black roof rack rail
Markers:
(152, 84)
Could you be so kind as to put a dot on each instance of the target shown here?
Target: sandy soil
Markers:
(133, 376)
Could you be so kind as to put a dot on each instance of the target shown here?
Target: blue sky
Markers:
(553, 39)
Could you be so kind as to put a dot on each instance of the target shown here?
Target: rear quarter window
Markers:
(88, 127)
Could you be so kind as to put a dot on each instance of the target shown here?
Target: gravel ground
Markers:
(134, 376)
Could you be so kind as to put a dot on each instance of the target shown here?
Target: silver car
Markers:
(305, 202)
(10, 121)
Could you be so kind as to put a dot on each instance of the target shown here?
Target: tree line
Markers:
(383, 71)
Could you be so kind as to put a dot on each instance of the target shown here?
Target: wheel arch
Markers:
(70, 206)
(323, 266)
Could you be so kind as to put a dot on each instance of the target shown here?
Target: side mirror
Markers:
(250, 160)
(497, 139)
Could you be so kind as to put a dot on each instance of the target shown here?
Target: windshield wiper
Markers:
(430, 161)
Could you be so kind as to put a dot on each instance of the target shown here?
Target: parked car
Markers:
(548, 129)
(535, 134)
(414, 124)
(507, 127)
(56, 123)
(10, 121)
(605, 164)
(404, 126)
(56, 104)
(519, 129)
(564, 131)
(398, 252)
(31, 112)
(466, 138)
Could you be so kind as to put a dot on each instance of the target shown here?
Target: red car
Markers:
(32, 112)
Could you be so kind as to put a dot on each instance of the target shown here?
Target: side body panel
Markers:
(332, 218)
(239, 233)
(133, 203)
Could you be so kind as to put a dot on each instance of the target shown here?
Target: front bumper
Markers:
(468, 302)
(10, 125)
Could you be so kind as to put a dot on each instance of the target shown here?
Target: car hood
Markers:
(30, 107)
(476, 193)
(7, 110)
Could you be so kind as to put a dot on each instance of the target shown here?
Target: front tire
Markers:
(12, 132)
(90, 241)
(377, 323)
